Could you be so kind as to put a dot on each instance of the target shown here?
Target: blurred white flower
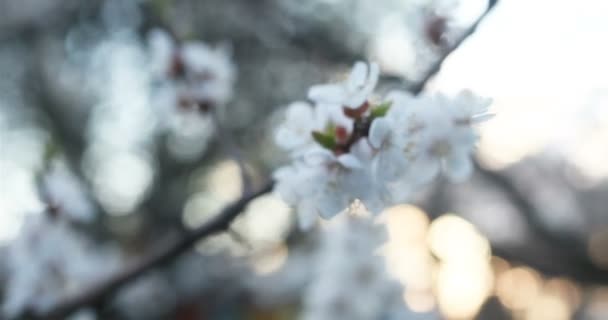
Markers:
(49, 261)
(152, 287)
(443, 137)
(209, 72)
(61, 190)
(199, 73)
(349, 279)
(162, 50)
(353, 92)
(191, 79)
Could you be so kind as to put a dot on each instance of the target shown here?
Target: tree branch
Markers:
(98, 294)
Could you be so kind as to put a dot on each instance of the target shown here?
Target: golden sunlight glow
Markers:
(221, 185)
(591, 154)
(121, 180)
(265, 222)
(548, 307)
(224, 181)
(464, 278)
(501, 145)
(406, 224)
(499, 266)
(463, 287)
(270, 261)
(407, 255)
(518, 288)
(566, 290)
(452, 238)
(419, 301)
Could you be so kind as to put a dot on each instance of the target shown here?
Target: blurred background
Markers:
(525, 238)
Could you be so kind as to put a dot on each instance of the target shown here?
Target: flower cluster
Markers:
(193, 79)
(203, 76)
(349, 146)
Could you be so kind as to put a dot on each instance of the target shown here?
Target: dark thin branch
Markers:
(99, 294)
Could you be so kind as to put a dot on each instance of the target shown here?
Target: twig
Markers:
(97, 295)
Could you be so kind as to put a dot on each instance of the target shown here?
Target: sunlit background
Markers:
(77, 82)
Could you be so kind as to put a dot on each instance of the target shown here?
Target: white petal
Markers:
(379, 132)
(349, 161)
(317, 156)
(458, 167)
(285, 138)
(401, 191)
(357, 77)
(328, 93)
(424, 170)
(372, 77)
(283, 172)
(356, 99)
(307, 215)
(300, 111)
(374, 205)
(286, 192)
(389, 165)
(399, 96)
(162, 47)
(160, 39)
(482, 118)
(331, 203)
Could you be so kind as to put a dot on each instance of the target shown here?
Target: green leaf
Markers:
(330, 130)
(326, 140)
(381, 109)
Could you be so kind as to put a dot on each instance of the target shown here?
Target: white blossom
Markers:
(318, 184)
(300, 120)
(49, 261)
(197, 72)
(191, 80)
(390, 158)
(442, 137)
(353, 92)
(467, 108)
